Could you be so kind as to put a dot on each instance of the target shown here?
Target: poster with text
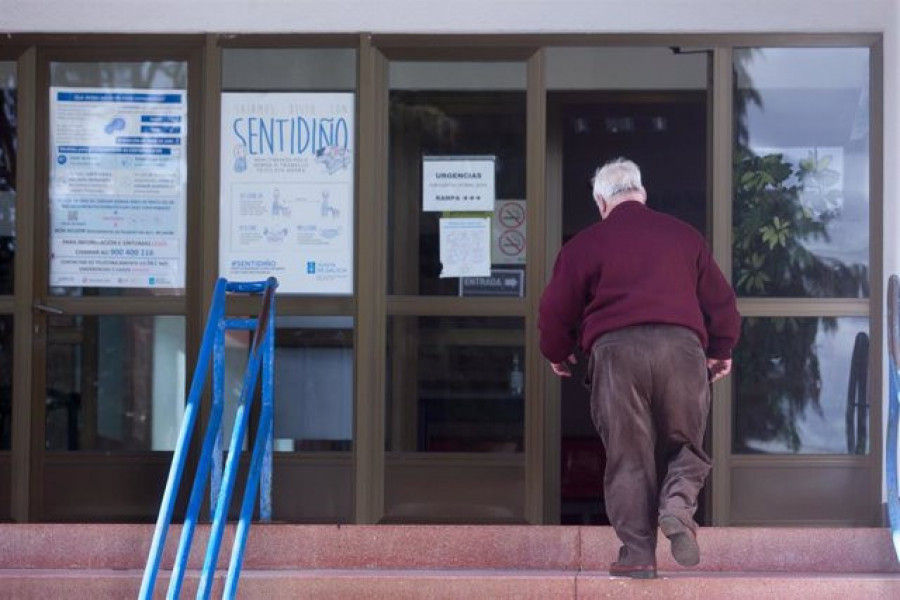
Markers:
(286, 193)
(117, 187)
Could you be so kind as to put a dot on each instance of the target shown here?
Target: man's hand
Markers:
(718, 368)
(562, 368)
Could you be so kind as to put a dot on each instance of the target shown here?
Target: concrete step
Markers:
(544, 548)
(337, 584)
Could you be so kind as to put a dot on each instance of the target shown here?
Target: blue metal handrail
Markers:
(262, 355)
(893, 499)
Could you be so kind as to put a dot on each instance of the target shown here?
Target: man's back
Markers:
(635, 267)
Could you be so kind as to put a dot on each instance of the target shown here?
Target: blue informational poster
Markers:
(286, 190)
(117, 187)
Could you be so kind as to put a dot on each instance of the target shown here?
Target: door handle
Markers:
(48, 309)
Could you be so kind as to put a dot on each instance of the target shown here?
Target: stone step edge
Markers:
(191, 574)
(87, 546)
(449, 585)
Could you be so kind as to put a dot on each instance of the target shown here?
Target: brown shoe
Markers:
(617, 569)
(685, 549)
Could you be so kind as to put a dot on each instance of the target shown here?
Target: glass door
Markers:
(456, 367)
(602, 106)
(110, 351)
(8, 186)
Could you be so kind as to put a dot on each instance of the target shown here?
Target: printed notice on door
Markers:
(458, 183)
(465, 247)
(117, 187)
(286, 193)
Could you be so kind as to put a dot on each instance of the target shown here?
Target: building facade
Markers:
(409, 175)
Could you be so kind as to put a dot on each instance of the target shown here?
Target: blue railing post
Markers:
(261, 463)
(213, 431)
(268, 401)
(218, 453)
(893, 494)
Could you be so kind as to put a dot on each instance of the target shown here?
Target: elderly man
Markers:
(642, 296)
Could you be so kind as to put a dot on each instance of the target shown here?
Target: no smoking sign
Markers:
(508, 233)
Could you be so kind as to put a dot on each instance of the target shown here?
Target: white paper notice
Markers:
(286, 190)
(117, 187)
(465, 247)
(458, 183)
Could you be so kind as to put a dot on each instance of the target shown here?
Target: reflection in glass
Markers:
(114, 383)
(6, 369)
(430, 115)
(801, 172)
(313, 383)
(126, 184)
(800, 386)
(456, 384)
(667, 141)
(8, 152)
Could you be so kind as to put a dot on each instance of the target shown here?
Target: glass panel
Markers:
(114, 383)
(456, 384)
(455, 112)
(289, 69)
(8, 152)
(455, 388)
(6, 381)
(800, 386)
(801, 174)
(313, 383)
(118, 178)
(287, 168)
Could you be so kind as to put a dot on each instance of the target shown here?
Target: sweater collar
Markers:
(625, 207)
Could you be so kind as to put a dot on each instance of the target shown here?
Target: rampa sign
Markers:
(458, 183)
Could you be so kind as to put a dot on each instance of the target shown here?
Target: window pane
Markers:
(312, 480)
(114, 383)
(289, 69)
(8, 146)
(454, 112)
(800, 386)
(118, 176)
(455, 385)
(801, 178)
(6, 381)
(313, 382)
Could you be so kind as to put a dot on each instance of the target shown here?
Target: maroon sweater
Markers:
(636, 267)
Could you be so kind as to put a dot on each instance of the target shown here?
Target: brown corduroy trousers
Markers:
(650, 403)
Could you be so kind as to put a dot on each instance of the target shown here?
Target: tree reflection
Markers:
(779, 209)
(8, 151)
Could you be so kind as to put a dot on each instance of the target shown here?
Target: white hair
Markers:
(615, 177)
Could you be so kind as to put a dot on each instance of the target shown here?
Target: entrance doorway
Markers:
(665, 134)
